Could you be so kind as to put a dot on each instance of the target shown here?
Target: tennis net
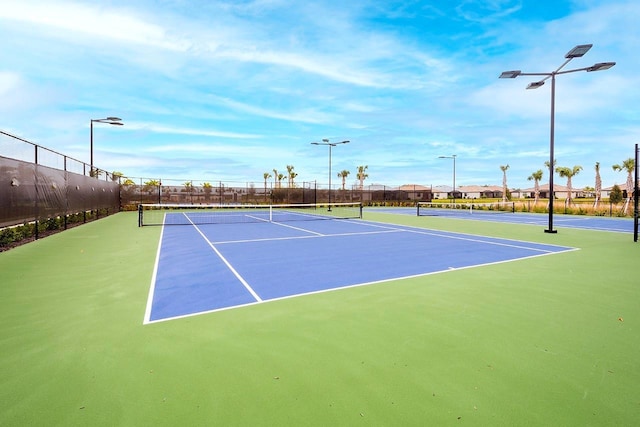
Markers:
(456, 209)
(164, 214)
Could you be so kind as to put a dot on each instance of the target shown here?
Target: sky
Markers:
(229, 90)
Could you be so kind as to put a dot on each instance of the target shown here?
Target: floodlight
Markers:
(535, 85)
(578, 51)
(510, 74)
(601, 66)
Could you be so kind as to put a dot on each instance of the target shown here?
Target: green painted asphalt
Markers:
(537, 342)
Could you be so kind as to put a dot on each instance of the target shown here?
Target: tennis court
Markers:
(503, 213)
(211, 259)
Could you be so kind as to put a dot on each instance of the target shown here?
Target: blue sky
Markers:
(227, 90)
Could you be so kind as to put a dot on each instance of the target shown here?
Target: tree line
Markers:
(278, 177)
(627, 165)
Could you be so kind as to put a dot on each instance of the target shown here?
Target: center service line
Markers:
(233, 270)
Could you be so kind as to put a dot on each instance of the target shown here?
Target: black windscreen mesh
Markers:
(30, 192)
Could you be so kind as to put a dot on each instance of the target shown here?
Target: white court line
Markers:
(477, 240)
(270, 239)
(392, 229)
(154, 275)
(479, 237)
(257, 217)
(228, 264)
(298, 228)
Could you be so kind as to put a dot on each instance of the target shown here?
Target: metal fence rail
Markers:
(135, 191)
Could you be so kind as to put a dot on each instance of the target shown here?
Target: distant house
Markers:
(403, 193)
(607, 191)
(480, 191)
(441, 191)
(560, 191)
(416, 192)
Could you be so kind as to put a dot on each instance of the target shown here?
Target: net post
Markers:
(270, 213)
(360, 210)
(140, 215)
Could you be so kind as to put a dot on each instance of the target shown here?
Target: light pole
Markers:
(330, 144)
(576, 52)
(453, 156)
(108, 120)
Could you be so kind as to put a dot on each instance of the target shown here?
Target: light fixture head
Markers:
(510, 74)
(535, 85)
(601, 66)
(578, 51)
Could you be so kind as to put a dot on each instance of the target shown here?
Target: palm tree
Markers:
(280, 178)
(598, 185)
(289, 172)
(568, 173)
(362, 175)
(188, 188)
(149, 186)
(343, 174)
(629, 165)
(266, 176)
(504, 182)
(291, 175)
(536, 177)
(207, 189)
(275, 177)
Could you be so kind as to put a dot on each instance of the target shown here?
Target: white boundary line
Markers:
(152, 288)
(270, 239)
(453, 234)
(298, 228)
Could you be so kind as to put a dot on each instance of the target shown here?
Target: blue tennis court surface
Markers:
(210, 267)
(585, 222)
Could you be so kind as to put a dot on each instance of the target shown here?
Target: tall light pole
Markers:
(453, 156)
(117, 121)
(330, 144)
(576, 52)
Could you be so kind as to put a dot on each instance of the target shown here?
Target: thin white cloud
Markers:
(304, 116)
(105, 22)
(154, 127)
(486, 11)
